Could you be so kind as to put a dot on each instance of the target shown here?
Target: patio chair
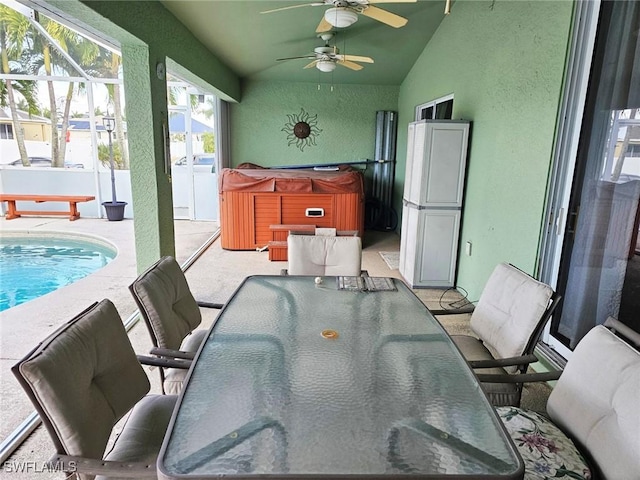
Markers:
(82, 380)
(593, 412)
(508, 320)
(324, 255)
(171, 314)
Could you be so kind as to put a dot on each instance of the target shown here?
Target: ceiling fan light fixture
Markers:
(326, 66)
(340, 17)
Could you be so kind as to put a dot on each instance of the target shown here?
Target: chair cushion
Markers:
(499, 393)
(164, 297)
(330, 232)
(83, 379)
(174, 377)
(324, 255)
(596, 402)
(144, 430)
(546, 451)
(509, 309)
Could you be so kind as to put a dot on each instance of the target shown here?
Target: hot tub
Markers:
(253, 199)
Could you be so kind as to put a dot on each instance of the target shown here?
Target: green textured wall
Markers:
(146, 98)
(504, 63)
(345, 115)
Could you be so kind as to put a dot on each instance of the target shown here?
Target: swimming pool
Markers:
(34, 266)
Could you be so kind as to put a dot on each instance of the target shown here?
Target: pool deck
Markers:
(23, 326)
(213, 277)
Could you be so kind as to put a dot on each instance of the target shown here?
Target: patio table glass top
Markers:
(326, 380)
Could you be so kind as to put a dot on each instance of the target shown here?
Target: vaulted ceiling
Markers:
(250, 42)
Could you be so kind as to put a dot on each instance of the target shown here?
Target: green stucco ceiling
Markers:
(250, 42)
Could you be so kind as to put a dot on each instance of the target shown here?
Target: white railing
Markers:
(197, 202)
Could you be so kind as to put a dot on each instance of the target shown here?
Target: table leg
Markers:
(11, 210)
(73, 211)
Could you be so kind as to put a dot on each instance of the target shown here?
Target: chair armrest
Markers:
(164, 362)
(519, 377)
(169, 353)
(453, 311)
(217, 306)
(92, 466)
(616, 326)
(503, 362)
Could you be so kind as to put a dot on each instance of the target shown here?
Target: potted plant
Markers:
(114, 208)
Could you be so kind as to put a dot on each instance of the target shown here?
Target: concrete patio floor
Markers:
(213, 277)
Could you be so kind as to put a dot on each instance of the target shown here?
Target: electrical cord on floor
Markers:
(461, 304)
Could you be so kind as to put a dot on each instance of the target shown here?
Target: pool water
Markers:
(32, 267)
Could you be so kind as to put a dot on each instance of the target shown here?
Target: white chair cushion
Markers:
(546, 451)
(329, 232)
(511, 305)
(597, 401)
(323, 255)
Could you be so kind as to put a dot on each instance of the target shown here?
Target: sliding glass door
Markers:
(599, 269)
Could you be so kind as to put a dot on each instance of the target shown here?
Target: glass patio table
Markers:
(332, 377)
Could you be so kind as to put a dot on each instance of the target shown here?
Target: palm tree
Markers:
(25, 106)
(51, 59)
(113, 66)
(28, 91)
(107, 64)
(208, 110)
(85, 52)
(14, 29)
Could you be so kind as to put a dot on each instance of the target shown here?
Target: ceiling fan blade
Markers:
(348, 64)
(312, 64)
(323, 26)
(393, 1)
(315, 4)
(384, 16)
(295, 58)
(355, 58)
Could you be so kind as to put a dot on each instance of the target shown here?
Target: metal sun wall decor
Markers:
(301, 129)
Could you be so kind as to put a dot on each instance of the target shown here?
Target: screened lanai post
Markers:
(146, 109)
(222, 134)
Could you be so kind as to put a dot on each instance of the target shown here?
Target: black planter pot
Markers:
(115, 210)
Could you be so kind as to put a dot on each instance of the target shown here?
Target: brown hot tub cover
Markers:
(290, 181)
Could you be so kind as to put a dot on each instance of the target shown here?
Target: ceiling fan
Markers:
(344, 13)
(327, 57)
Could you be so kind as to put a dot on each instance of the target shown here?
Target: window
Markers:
(633, 150)
(6, 131)
(438, 109)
